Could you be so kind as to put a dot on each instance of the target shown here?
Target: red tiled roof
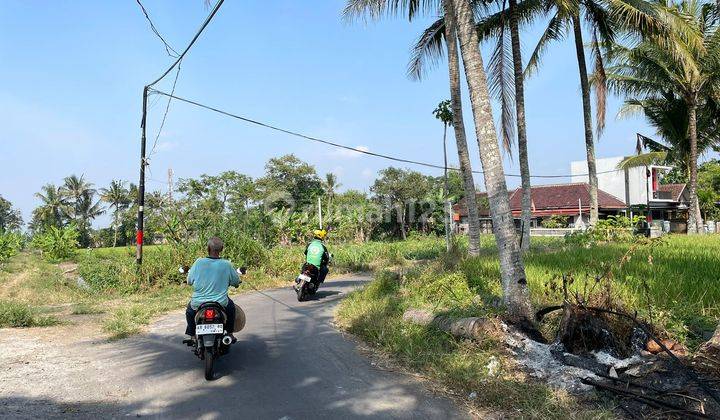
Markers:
(550, 199)
(563, 199)
(461, 207)
(675, 189)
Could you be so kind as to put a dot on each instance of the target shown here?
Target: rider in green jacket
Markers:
(317, 255)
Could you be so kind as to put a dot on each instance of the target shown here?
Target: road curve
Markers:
(289, 363)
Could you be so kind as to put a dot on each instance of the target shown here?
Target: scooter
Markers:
(212, 339)
(306, 283)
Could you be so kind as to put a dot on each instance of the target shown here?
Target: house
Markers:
(634, 191)
(460, 214)
(568, 200)
(642, 190)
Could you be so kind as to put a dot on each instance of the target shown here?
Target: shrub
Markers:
(13, 314)
(555, 221)
(57, 244)
(10, 244)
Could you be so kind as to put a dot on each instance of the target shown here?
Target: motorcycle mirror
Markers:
(242, 271)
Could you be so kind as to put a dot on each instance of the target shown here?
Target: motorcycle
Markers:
(306, 283)
(212, 339)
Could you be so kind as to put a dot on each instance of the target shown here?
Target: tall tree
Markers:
(515, 290)
(118, 198)
(330, 186)
(289, 182)
(520, 119)
(444, 114)
(80, 195)
(10, 217)
(53, 211)
(675, 67)
(429, 48)
(506, 78)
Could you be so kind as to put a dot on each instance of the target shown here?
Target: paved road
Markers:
(289, 363)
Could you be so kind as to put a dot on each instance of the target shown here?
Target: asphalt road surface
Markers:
(289, 363)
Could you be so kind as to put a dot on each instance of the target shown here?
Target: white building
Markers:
(639, 188)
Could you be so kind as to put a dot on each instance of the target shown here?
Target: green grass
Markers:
(19, 315)
(675, 285)
(84, 308)
(375, 315)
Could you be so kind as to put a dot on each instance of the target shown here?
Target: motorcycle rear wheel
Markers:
(209, 360)
(301, 295)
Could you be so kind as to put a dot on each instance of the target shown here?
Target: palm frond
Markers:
(501, 84)
(490, 25)
(599, 83)
(376, 9)
(555, 31)
(427, 51)
(641, 160)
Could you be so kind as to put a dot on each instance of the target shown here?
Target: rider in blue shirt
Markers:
(210, 278)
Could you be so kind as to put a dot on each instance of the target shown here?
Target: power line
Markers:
(168, 47)
(165, 114)
(197, 35)
(342, 146)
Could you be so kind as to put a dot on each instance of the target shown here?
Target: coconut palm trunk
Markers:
(512, 272)
(695, 223)
(115, 223)
(446, 192)
(521, 127)
(587, 119)
(459, 127)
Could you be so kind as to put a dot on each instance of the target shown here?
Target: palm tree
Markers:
(331, 186)
(118, 197)
(515, 291)
(567, 17)
(444, 114)
(80, 195)
(73, 189)
(508, 90)
(429, 48)
(54, 205)
(512, 271)
(688, 71)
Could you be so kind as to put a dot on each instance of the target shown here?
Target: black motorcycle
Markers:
(212, 339)
(306, 283)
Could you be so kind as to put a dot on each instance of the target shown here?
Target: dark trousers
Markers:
(322, 273)
(190, 318)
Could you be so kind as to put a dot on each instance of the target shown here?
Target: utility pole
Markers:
(320, 212)
(143, 140)
(141, 186)
(170, 183)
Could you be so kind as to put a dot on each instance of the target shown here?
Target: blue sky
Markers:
(72, 75)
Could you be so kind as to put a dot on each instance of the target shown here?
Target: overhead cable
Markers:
(342, 146)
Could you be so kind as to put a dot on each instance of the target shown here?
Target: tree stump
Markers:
(707, 357)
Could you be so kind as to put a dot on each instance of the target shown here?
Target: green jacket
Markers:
(316, 253)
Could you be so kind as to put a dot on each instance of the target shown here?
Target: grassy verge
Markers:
(19, 315)
(670, 284)
(111, 285)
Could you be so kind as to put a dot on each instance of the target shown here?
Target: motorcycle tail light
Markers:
(209, 313)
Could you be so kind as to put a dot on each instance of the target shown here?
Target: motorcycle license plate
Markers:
(303, 277)
(209, 329)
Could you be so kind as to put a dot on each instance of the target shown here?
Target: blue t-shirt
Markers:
(210, 278)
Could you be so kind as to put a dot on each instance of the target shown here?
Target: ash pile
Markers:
(599, 346)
